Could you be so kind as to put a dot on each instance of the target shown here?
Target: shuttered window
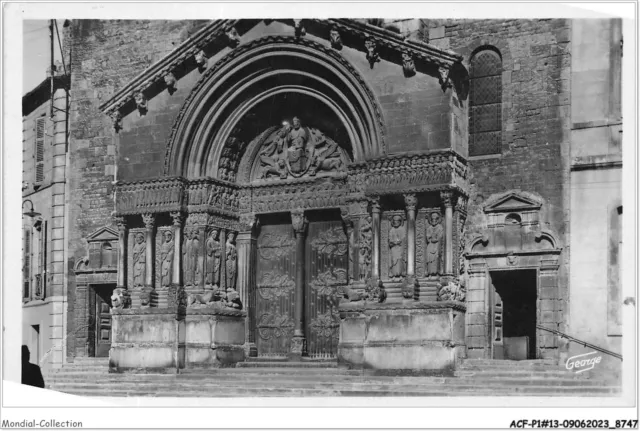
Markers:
(485, 104)
(26, 267)
(39, 149)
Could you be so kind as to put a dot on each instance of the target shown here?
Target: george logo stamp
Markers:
(583, 362)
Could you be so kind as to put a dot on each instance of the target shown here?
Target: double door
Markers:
(325, 271)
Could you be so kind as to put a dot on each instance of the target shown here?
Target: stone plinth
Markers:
(152, 340)
(143, 340)
(214, 337)
(424, 337)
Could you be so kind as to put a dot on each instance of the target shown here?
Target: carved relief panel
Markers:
(393, 245)
(295, 151)
(137, 256)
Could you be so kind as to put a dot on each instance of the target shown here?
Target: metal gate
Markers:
(325, 270)
(275, 282)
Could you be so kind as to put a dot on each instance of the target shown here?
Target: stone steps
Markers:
(273, 378)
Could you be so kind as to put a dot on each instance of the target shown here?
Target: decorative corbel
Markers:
(335, 39)
(141, 103)
(171, 82)
(201, 60)
(445, 82)
(372, 51)
(408, 65)
(116, 119)
(299, 28)
(233, 38)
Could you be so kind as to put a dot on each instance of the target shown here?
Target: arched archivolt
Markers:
(252, 73)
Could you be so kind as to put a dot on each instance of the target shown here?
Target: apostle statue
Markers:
(166, 258)
(434, 235)
(139, 260)
(397, 236)
(191, 252)
(231, 261)
(212, 272)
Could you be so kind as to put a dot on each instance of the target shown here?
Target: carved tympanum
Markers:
(434, 237)
(397, 239)
(295, 151)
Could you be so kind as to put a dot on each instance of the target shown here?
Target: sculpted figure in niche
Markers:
(166, 258)
(139, 260)
(434, 235)
(397, 236)
(232, 257)
(191, 251)
(271, 161)
(364, 253)
(212, 274)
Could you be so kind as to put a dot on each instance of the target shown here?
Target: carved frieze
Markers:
(149, 197)
(304, 195)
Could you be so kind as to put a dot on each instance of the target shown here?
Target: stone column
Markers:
(375, 228)
(246, 248)
(447, 201)
(411, 203)
(121, 287)
(299, 224)
(174, 291)
(149, 291)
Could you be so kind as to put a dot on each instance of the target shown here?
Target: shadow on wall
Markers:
(31, 374)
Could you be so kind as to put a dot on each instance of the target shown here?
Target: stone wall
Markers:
(105, 56)
(536, 119)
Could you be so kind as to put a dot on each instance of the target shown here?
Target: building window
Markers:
(39, 149)
(485, 103)
(26, 267)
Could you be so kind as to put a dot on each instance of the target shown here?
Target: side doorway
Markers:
(100, 307)
(513, 311)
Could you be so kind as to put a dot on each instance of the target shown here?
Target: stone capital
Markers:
(178, 218)
(248, 222)
(299, 221)
(375, 205)
(411, 201)
(149, 220)
(447, 197)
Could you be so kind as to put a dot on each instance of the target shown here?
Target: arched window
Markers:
(485, 103)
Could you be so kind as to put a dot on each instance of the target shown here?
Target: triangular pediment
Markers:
(219, 35)
(103, 234)
(513, 201)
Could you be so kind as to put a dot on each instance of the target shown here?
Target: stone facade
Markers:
(197, 137)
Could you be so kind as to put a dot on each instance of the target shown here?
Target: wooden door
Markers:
(275, 286)
(325, 271)
(103, 321)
